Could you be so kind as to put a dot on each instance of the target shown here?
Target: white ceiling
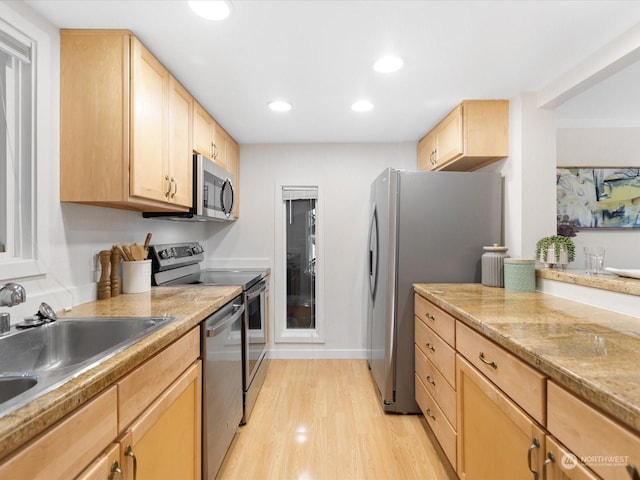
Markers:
(318, 55)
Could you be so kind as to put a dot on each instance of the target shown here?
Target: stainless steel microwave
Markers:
(213, 194)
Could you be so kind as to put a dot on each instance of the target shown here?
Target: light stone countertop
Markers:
(189, 304)
(607, 281)
(593, 352)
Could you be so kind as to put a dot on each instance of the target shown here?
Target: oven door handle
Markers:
(257, 292)
(238, 311)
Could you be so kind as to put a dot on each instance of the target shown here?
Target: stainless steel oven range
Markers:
(179, 264)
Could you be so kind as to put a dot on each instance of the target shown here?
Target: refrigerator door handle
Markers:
(373, 253)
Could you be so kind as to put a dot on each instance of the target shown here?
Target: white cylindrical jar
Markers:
(493, 265)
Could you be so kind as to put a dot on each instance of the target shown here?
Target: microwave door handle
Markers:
(225, 185)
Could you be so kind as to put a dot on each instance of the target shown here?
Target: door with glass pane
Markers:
(301, 257)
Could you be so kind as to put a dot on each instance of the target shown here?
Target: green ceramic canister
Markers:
(520, 274)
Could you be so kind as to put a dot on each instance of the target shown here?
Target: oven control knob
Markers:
(196, 249)
(164, 254)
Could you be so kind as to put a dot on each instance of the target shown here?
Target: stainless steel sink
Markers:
(34, 361)
(13, 385)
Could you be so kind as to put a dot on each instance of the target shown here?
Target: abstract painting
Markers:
(599, 197)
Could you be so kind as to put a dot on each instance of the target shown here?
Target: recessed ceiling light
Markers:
(388, 64)
(362, 106)
(211, 9)
(279, 106)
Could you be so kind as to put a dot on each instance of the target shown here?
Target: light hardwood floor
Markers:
(321, 419)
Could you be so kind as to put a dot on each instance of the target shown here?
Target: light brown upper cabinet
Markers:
(125, 139)
(209, 138)
(233, 166)
(472, 135)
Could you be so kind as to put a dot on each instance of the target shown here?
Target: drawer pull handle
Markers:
(431, 415)
(128, 452)
(430, 380)
(535, 444)
(115, 470)
(430, 347)
(550, 459)
(430, 317)
(491, 363)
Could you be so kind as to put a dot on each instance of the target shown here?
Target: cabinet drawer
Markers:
(443, 431)
(108, 463)
(437, 386)
(70, 445)
(604, 445)
(141, 387)
(519, 381)
(436, 350)
(435, 318)
(556, 468)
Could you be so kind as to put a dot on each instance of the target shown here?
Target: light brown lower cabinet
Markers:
(496, 438)
(561, 464)
(66, 449)
(608, 448)
(164, 442)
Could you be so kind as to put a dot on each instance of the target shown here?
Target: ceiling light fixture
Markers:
(388, 64)
(211, 9)
(362, 106)
(279, 106)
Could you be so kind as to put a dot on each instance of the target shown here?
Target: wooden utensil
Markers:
(147, 241)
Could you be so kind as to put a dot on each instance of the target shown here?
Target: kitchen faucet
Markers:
(11, 294)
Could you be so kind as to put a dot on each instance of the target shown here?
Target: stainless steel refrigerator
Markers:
(425, 227)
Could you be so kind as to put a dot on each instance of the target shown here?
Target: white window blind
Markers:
(299, 193)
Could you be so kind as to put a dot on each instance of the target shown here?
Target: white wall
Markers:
(603, 147)
(345, 173)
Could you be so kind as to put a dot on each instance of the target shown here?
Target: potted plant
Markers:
(558, 249)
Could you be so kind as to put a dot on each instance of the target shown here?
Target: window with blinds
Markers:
(17, 147)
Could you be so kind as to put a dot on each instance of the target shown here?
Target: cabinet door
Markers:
(202, 131)
(94, 116)
(220, 145)
(106, 466)
(233, 165)
(560, 464)
(180, 148)
(427, 152)
(449, 143)
(149, 175)
(164, 442)
(495, 438)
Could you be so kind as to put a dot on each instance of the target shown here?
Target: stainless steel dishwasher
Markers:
(221, 345)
